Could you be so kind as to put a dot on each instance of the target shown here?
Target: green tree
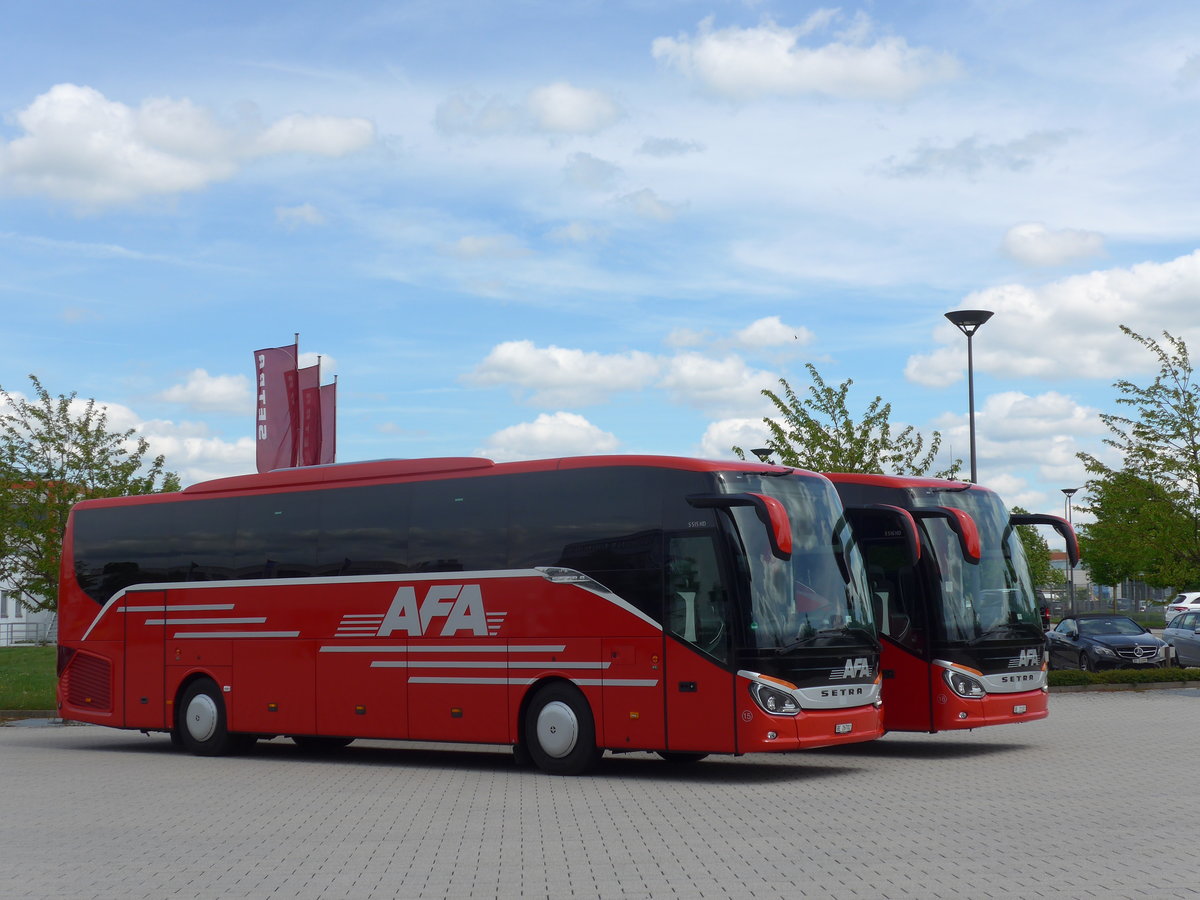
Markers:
(1147, 513)
(55, 451)
(818, 432)
(1037, 554)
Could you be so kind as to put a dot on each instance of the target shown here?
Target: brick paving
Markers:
(1091, 803)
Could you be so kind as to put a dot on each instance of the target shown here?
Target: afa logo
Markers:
(854, 668)
(1030, 657)
(445, 610)
(459, 607)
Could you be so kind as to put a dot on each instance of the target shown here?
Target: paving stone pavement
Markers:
(1093, 802)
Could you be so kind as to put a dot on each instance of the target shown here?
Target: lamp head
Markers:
(969, 320)
(763, 454)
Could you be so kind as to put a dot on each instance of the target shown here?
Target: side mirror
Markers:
(882, 522)
(960, 523)
(769, 510)
(1059, 524)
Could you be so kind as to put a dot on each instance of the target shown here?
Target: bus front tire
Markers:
(200, 727)
(560, 733)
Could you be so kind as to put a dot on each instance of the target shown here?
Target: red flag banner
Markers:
(275, 418)
(309, 383)
(328, 423)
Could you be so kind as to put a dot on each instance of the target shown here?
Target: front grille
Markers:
(89, 683)
(1137, 653)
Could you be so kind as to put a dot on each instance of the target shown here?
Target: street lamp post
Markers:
(1068, 493)
(970, 321)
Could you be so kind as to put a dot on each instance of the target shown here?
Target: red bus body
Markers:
(447, 651)
(961, 630)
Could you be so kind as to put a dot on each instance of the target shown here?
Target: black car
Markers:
(1096, 641)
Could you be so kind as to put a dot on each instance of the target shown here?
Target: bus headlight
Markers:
(774, 701)
(964, 685)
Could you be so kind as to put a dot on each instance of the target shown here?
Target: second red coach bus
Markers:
(963, 639)
(564, 607)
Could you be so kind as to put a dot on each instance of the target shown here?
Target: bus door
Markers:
(145, 627)
(699, 683)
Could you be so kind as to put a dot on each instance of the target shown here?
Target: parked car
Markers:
(1096, 641)
(1185, 602)
(1183, 635)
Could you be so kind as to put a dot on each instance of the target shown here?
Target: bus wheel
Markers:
(560, 732)
(681, 759)
(201, 722)
(313, 744)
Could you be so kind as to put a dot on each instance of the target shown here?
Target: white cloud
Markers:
(1017, 432)
(666, 147)
(315, 135)
(554, 109)
(82, 147)
(488, 246)
(292, 217)
(771, 332)
(720, 437)
(686, 337)
(1036, 245)
(1068, 328)
(722, 386)
(550, 435)
(972, 157)
(556, 376)
(578, 233)
(562, 108)
(195, 454)
(212, 393)
(590, 172)
(745, 63)
(648, 205)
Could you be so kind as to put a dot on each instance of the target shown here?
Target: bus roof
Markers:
(901, 481)
(385, 470)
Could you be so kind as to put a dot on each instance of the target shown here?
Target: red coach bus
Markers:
(962, 634)
(564, 607)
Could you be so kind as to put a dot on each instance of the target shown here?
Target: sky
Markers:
(535, 229)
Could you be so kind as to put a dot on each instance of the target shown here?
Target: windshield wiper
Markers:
(842, 631)
(1023, 629)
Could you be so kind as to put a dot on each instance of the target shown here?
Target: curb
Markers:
(28, 713)
(1109, 688)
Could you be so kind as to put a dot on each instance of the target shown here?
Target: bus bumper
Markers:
(954, 712)
(761, 733)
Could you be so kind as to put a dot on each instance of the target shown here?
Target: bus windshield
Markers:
(818, 597)
(993, 600)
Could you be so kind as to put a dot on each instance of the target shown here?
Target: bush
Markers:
(1072, 677)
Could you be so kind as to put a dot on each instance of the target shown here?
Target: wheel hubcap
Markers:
(557, 729)
(201, 717)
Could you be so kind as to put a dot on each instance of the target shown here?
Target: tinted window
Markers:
(459, 525)
(364, 531)
(605, 523)
(276, 536)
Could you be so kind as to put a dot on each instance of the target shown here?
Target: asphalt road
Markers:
(1096, 801)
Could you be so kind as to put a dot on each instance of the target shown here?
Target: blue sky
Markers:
(531, 229)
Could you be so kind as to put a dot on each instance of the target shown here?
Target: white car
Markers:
(1181, 604)
(1183, 635)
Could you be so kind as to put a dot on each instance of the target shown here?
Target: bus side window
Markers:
(697, 602)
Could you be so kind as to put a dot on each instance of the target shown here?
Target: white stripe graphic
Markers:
(235, 634)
